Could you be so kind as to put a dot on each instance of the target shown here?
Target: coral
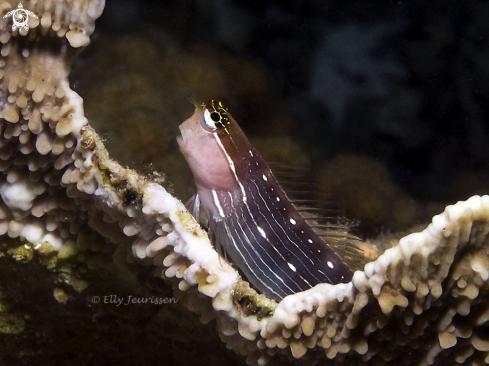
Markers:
(424, 301)
(41, 122)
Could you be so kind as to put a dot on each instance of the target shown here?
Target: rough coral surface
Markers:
(422, 302)
(41, 121)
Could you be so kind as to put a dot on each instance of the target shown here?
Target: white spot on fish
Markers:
(251, 153)
(278, 199)
(262, 232)
(309, 240)
(292, 221)
(217, 203)
(319, 251)
(291, 266)
(264, 177)
(330, 265)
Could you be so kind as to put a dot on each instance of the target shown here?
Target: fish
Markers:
(251, 220)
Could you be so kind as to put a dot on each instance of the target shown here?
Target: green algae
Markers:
(251, 302)
(22, 253)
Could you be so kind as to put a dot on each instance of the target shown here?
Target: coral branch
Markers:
(425, 301)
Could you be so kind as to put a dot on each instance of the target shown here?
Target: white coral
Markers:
(425, 296)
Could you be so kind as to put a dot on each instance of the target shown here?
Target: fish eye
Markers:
(215, 115)
(211, 120)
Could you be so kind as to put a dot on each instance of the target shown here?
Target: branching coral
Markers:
(425, 301)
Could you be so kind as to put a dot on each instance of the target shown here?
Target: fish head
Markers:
(201, 145)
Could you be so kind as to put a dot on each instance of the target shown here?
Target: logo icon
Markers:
(20, 17)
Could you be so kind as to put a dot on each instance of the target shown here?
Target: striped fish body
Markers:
(252, 221)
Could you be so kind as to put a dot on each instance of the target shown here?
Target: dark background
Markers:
(401, 85)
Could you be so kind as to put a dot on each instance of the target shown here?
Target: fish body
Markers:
(252, 221)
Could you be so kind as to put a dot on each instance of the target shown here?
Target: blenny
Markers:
(251, 220)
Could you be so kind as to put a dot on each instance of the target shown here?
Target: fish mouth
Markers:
(191, 131)
(182, 145)
(181, 140)
(184, 139)
(186, 132)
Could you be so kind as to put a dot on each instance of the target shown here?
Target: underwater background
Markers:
(384, 103)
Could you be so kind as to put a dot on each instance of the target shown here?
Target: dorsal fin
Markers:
(323, 215)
